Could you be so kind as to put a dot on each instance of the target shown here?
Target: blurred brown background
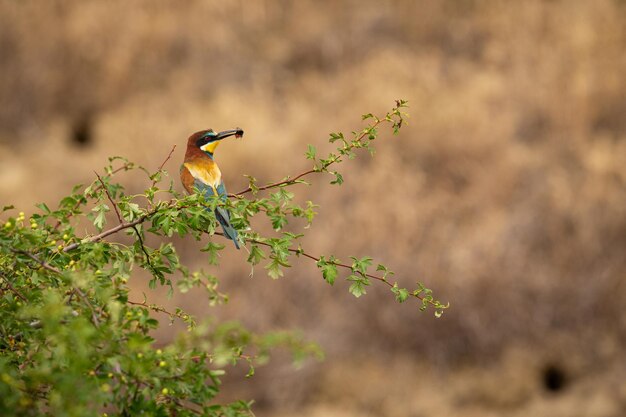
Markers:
(505, 193)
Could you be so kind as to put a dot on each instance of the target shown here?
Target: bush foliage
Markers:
(75, 340)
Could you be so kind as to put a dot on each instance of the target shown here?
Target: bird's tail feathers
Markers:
(223, 217)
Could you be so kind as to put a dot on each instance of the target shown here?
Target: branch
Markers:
(94, 316)
(289, 181)
(119, 216)
(154, 181)
(12, 288)
(184, 404)
(109, 232)
(106, 190)
(139, 220)
(421, 293)
(143, 248)
(145, 217)
(160, 309)
(43, 264)
(120, 227)
(125, 167)
(300, 251)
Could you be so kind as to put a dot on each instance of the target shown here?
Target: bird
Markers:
(199, 171)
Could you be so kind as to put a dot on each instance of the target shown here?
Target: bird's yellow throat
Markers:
(210, 147)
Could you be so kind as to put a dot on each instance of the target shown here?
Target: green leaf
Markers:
(213, 249)
(130, 211)
(402, 294)
(335, 137)
(338, 178)
(311, 152)
(309, 212)
(100, 218)
(361, 265)
(43, 207)
(278, 221)
(283, 195)
(329, 269)
(256, 255)
(357, 289)
(386, 271)
(252, 184)
(274, 270)
(156, 177)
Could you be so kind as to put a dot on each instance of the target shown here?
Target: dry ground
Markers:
(506, 193)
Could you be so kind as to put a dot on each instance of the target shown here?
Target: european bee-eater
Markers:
(201, 172)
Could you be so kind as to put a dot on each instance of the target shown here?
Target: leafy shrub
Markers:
(74, 341)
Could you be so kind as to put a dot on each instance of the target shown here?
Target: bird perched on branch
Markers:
(200, 171)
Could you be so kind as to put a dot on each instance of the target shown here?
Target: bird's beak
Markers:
(237, 132)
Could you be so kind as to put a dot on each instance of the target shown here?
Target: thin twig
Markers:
(100, 236)
(12, 288)
(42, 263)
(123, 225)
(157, 308)
(106, 190)
(119, 216)
(289, 181)
(125, 167)
(94, 316)
(159, 170)
(345, 266)
(143, 248)
(119, 227)
(180, 403)
(154, 181)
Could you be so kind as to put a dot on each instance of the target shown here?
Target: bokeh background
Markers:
(505, 193)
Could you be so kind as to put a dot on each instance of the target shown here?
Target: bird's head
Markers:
(207, 140)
